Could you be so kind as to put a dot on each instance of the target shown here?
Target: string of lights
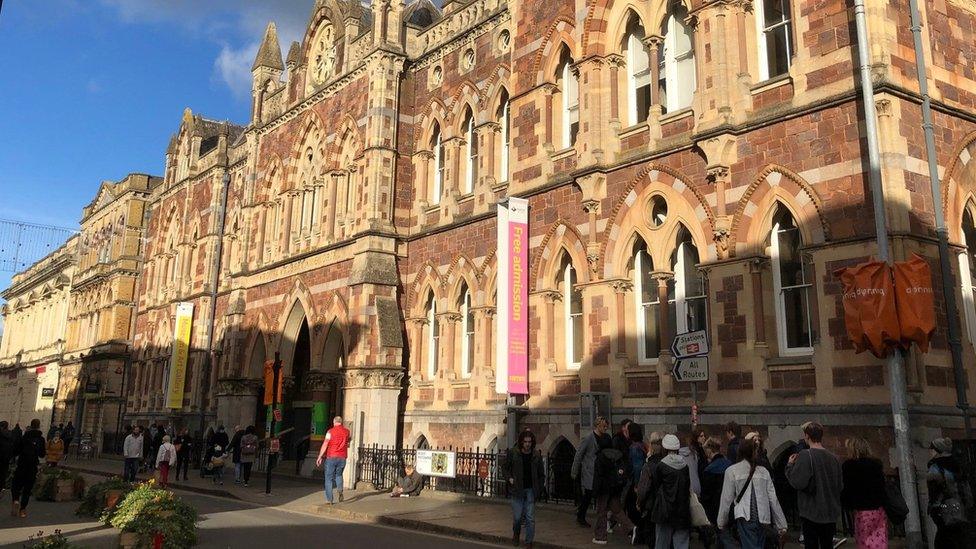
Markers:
(23, 243)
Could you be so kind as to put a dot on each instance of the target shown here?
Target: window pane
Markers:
(797, 312)
(774, 11)
(578, 338)
(643, 102)
(696, 314)
(651, 332)
(777, 50)
(685, 89)
(790, 264)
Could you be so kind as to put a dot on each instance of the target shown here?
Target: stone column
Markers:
(424, 176)
(664, 320)
(449, 323)
(756, 267)
(321, 386)
(487, 134)
(616, 62)
(620, 289)
(550, 90)
(551, 297)
(487, 324)
(653, 43)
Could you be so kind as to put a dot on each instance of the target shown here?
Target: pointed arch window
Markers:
(638, 72)
(773, 25)
(437, 146)
(967, 272)
(569, 90)
(791, 286)
(467, 332)
(433, 336)
(677, 77)
(504, 120)
(573, 315)
(471, 156)
(646, 294)
(689, 305)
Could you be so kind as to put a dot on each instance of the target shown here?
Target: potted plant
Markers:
(148, 512)
(55, 484)
(101, 499)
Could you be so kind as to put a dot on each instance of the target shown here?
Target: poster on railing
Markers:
(435, 463)
(512, 343)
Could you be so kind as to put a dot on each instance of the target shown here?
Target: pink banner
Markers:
(518, 300)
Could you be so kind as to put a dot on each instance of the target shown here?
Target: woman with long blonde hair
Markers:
(864, 494)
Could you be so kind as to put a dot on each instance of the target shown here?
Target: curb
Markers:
(420, 526)
(174, 485)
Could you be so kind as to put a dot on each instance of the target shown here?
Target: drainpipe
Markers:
(895, 363)
(948, 278)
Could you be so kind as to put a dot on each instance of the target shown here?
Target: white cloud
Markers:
(236, 25)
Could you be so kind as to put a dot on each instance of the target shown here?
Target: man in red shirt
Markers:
(335, 450)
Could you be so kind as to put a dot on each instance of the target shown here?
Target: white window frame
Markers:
(968, 288)
(762, 30)
(778, 291)
(642, 350)
(636, 80)
(672, 81)
(471, 165)
(571, 107)
(433, 338)
(681, 298)
(467, 334)
(569, 325)
(506, 136)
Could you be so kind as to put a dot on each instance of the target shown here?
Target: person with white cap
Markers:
(670, 493)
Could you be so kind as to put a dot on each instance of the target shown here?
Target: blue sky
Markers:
(94, 89)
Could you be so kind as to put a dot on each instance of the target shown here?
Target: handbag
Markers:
(949, 511)
(698, 516)
(894, 504)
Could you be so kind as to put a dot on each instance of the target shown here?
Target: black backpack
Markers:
(614, 468)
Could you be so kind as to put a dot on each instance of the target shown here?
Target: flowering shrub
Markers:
(148, 510)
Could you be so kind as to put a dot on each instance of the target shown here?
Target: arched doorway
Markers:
(560, 472)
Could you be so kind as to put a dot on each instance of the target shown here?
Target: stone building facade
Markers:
(35, 316)
(100, 316)
(688, 165)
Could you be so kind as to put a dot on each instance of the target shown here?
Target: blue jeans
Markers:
(523, 510)
(666, 537)
(333, 473)
(752, 534)
(129, 469)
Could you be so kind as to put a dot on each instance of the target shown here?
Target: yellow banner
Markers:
(178, 357)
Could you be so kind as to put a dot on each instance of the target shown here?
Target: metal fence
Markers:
(477, 472)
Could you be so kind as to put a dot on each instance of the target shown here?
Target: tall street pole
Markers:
(276, 368)
(945, 265)
(895, 362)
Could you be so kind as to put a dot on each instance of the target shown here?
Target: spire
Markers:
(269, 54)
(294, 54)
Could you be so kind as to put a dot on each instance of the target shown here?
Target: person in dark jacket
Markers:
(670, 495)
(526, 478)
(32, 449)
(6, 453)
(410, 485)
(611, 473)
(68, 435)
(713, 477)
(220, 438)
(864, 494)
(235, 449)
(733, 431)
(18, 434)
(183, 443)
(637, 454)
(947, 482)
(655, 452)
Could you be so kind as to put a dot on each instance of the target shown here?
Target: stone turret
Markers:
(266, 71)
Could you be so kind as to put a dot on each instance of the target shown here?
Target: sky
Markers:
(93, 89)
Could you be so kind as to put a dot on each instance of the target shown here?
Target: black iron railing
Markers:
(476, 471)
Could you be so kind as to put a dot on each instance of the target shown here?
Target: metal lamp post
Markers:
(276, 368)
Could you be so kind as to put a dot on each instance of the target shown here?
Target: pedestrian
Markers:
(6, 453)
(670, 492)
(68, 435)
(54, 450)
(691, 458)
(655, 452)
(762, 458)
(864, 494)
(157, 441)
(611, 474)
(732, 432)
(950, 498)
(410, 484)
(220, 438)
(165, 458)
(149, 455)
(18, 434)
(816, 475)
(622, 435)
(235, 452)
(334, 451)
(749, 493)
(132, 448)
(51, 430)
(526, 478)
(183, 444)
(32, 448)
(583, 464)
(216, 464)
(637, 454)
(712, 481)
(696, 445)
(249, 451)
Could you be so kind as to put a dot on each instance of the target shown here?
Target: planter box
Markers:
(128, 540)
(112, 498)
(65, 490)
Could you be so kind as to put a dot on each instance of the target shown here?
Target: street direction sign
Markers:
(691, 369)
(690, 344)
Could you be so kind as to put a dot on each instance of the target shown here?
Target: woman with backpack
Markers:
(864, 494)
(249, 451)
(749, 494)
(611, 473)
(949, 496)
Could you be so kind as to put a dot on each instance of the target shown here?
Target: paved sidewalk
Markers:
(468, 517)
